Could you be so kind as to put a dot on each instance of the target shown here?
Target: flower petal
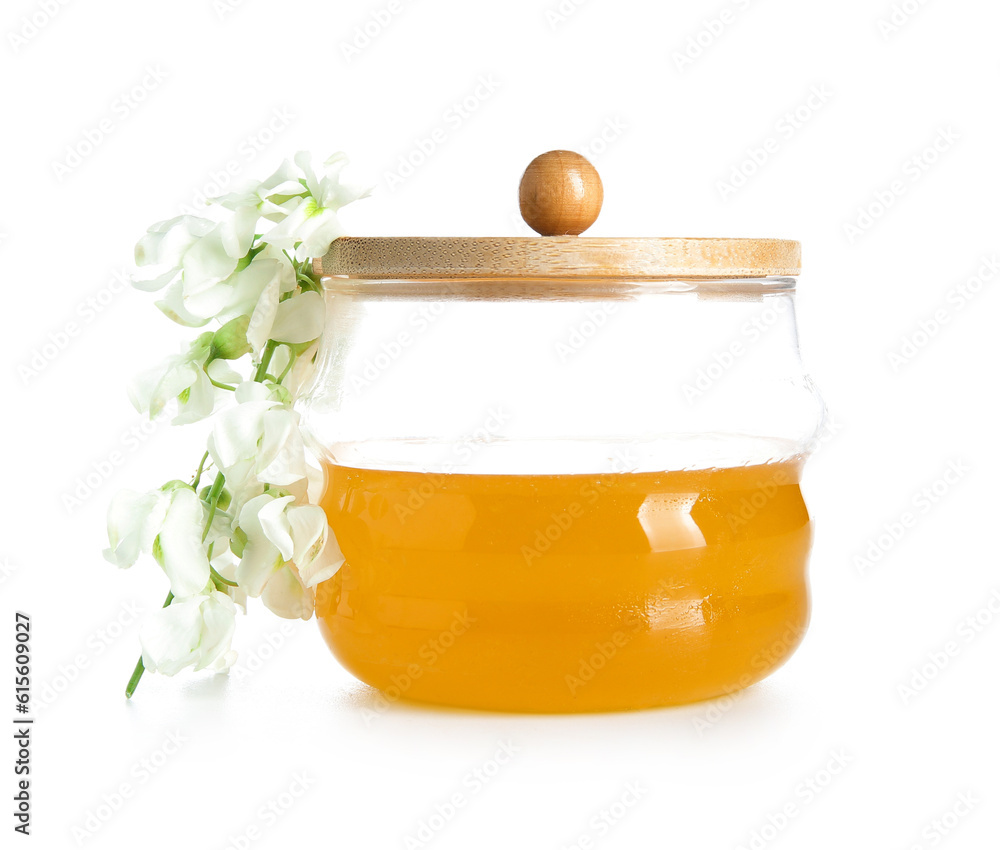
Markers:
(308, 527)
(281, 459)
(178, 547)
(299, 318)
(274, 524)
(194, 632)
(237, 432)
(325, 565)
(260, 556)
(134, 520)
(286, 596)
(206, 263)
(262, 318)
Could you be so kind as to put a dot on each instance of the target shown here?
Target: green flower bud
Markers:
(230, 341)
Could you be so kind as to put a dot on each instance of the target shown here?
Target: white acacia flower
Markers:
(312, 223)
(195, 259)
(178, 547)
(286, 595)
(194, 631)
(247, 277)
(268, 198)
(280, 534)
(268, 267)
(166, 523)
(165, 245)
(134, 520)
(181, 376)
(325, 565)
(262, 431)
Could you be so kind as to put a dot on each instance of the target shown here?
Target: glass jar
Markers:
(564, 471)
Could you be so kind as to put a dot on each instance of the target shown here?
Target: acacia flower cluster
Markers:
(247, 523)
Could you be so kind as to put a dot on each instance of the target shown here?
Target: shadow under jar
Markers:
(563, 488)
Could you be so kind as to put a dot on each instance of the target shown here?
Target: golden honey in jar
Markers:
(547, 497)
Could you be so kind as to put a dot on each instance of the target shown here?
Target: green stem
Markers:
(292, 357)
(220, 579)
(140, 668)
(213, 502)
(221, 386)
(201, 467)
(265, 360)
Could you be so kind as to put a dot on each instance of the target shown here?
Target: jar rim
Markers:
(556, 289)
(558, 258)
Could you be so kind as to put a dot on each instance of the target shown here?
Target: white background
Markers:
(712, 775)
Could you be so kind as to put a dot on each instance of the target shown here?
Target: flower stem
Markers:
(219, 579)
(220, 385)
(140, 668)
(265, 360)
(291, 362)
(213, 502)
(201, 467)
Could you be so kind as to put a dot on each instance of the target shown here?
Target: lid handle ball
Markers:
(561, 194)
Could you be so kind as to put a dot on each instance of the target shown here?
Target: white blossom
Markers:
(257, 532)
(281, 535)
(312, 223)
(180, 377)
(167, 524)
(194, 631)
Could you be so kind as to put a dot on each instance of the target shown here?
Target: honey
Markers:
(568, 592)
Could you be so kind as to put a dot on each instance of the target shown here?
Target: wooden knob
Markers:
(561, 194)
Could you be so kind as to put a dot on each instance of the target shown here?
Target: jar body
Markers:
(563, 498)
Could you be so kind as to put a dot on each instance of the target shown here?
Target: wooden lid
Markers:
(561, 196)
